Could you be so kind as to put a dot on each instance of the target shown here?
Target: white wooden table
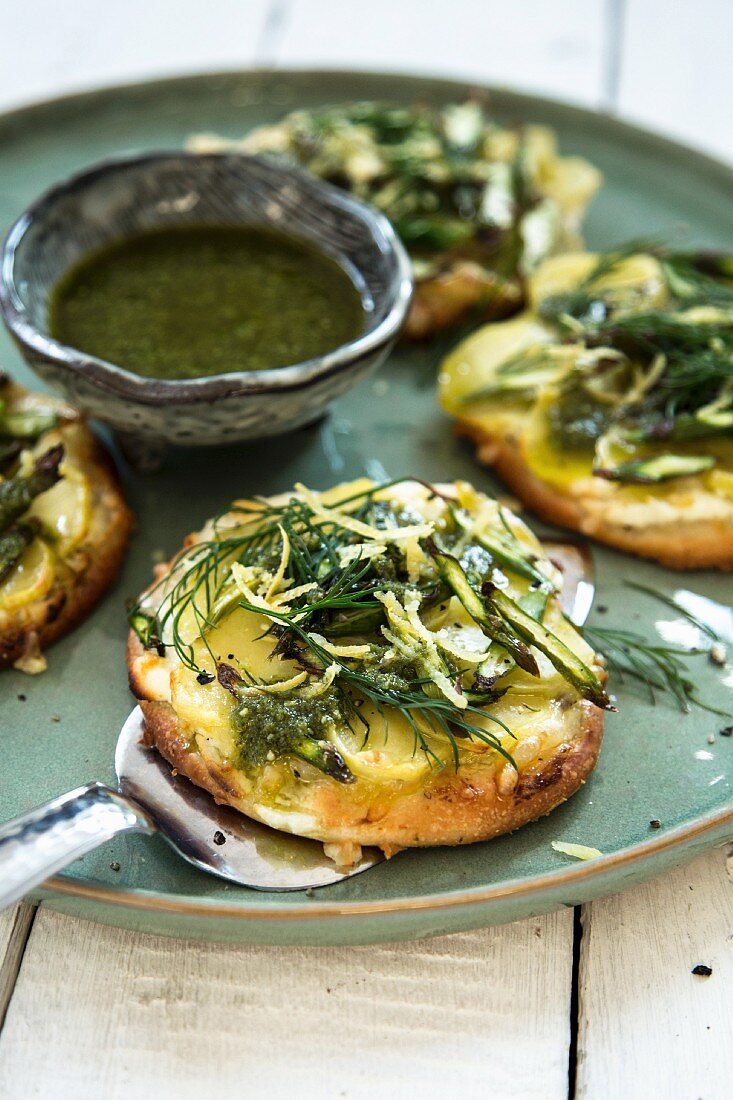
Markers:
(596, 1003)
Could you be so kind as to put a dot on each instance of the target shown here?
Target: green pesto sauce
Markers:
(270, 726)
(187, 302)
(575, 420)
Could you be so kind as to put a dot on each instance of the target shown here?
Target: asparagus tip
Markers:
(333, 763)
(229, 678)
(50, 460)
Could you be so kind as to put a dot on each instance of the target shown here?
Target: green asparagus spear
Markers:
(322, 755)
(369, 619)
(649, 471)
(18, 493)
(497, 629)
(12, 544)
(513, 557)
(534, 633)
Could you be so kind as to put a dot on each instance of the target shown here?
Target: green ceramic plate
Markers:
(656, 762)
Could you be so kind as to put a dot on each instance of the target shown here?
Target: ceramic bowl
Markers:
(121, 197)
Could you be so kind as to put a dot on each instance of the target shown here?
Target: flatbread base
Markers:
(681, 545)
(85, 575)
(451, 808)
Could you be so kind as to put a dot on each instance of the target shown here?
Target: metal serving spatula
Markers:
(151, 799)
(213, 838)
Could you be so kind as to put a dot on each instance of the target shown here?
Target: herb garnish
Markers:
(346, 592)
(659, 667)
(640, 370)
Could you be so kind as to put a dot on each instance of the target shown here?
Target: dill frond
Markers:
(660, 668)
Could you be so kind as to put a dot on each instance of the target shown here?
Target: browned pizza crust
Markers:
(686, 545)
(460, 291)
(451, 808)
(86, 574)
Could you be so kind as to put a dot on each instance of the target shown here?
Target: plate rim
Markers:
(714, 827)
(498, 92)
(588, 870)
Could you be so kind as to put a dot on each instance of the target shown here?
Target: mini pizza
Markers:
(64, 524)
(382, 666)
(607, 406)
(476, 204)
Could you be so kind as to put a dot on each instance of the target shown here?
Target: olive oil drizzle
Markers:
(659, 380)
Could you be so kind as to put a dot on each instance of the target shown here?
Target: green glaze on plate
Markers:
(656, 763)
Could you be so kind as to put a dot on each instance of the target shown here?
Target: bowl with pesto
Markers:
(200, 299)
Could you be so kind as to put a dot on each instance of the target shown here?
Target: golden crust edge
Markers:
(444, 300)
(457, 808)
(707, 545)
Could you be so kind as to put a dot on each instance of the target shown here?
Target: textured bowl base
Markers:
(143, 455)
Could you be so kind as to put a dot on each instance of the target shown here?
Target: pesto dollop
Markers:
(269, 726)
(192, 301)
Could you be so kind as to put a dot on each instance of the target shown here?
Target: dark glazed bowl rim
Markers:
(154, 391)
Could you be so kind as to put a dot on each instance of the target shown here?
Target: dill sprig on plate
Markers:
(338, 577)
(659, 667)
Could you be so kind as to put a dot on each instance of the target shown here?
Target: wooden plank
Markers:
(15, 926)
(7, 916)
(550, 48)
(675, 71)
(125, 1015)
(49, 50)
(648, 1026)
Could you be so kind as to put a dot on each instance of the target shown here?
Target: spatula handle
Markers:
(40, 843)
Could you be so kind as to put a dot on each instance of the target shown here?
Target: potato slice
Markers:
(633, 284)
(65, 510)
(30, 579)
